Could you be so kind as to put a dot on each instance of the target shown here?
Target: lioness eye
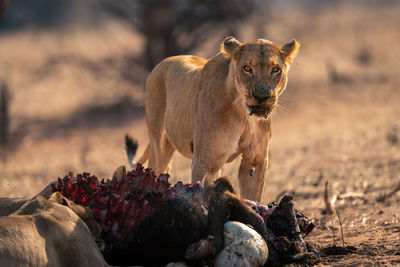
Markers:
(247, 68)
(275, 69)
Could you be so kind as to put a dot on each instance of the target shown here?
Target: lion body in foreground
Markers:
(48, 232)
(215, 110)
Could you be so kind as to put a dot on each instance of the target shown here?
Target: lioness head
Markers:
(259, 70)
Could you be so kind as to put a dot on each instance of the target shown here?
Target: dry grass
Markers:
(56, 77)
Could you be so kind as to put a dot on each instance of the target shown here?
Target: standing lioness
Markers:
(215, 110)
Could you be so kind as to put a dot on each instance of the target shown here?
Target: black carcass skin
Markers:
(165, 235)
(147, 222)
(161, 237)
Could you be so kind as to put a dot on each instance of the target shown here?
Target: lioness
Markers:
(48, 232)
(214, 110)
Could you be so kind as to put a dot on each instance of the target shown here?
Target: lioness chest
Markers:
(181, 81)
(181, 78)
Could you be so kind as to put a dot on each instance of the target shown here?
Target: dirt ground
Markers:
(75, 93)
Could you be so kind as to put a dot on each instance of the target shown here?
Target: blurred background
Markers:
(72, 77)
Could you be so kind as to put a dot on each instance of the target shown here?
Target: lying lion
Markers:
(48, 230)
(215, 110)
(190, 226)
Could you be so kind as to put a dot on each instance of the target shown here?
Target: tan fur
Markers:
(50, 232)
(203, 104)
(10, 205)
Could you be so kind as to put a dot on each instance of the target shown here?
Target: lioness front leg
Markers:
(251, 185)
(203, 165)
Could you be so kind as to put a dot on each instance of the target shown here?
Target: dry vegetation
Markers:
(76, 92)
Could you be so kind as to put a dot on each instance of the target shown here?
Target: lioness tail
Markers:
(131, 146)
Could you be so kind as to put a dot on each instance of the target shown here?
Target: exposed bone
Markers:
(201, 250)
(243, 246)
(176, 264)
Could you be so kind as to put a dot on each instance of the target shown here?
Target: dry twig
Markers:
(384, 197)
(333, 232)
(328, 203)
(341, 227)
(352, 196)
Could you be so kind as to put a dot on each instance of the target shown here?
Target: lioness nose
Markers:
(261, 92)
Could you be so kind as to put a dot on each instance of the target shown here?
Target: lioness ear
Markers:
(230, 46)
(289, 51)
(60, 199)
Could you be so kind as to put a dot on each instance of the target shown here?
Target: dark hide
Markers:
(165, 236)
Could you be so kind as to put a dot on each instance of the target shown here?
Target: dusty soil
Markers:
(76, 93)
